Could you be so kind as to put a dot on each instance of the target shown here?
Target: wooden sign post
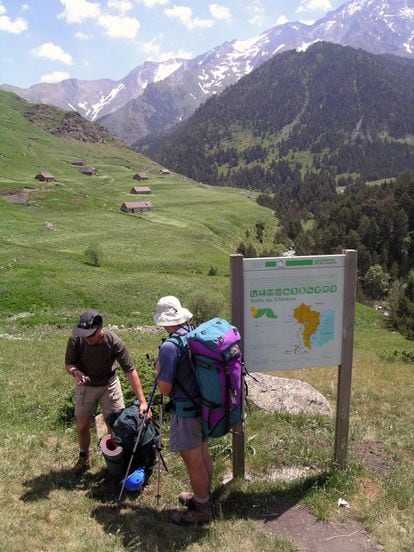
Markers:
(294, 313)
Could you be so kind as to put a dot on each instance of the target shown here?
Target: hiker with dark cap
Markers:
(92, 354)
(176, 379)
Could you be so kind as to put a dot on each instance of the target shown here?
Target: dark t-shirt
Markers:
(175, 364)
(99, 361)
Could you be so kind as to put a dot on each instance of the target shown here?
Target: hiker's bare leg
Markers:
(83, 424)
(196, 467)
(207, 461)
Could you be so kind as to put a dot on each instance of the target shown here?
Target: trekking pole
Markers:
(141, 429)
(160, 458)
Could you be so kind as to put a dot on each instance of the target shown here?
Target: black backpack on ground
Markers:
(125, 428)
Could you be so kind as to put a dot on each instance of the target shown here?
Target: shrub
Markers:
(204, 308)
(93, 256)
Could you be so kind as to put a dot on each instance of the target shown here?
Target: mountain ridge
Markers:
(374, 25)
(337, 108)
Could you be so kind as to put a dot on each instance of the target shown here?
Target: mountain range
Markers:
(331, 109)
(156, 95)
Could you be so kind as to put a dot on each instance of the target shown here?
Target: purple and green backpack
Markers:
(215, 353)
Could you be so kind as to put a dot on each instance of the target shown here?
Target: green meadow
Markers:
(182, 248)
(170, 250)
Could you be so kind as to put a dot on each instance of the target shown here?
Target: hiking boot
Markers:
(82, 465)
(187, 499)
(199, 516)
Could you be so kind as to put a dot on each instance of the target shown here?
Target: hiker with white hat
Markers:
(176, 379)
(92, 354)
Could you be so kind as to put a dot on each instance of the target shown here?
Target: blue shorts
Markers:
(185, 433)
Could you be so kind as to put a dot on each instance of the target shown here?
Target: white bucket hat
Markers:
(169, 312)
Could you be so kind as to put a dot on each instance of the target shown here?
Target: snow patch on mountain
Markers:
(280, 47)
(409, 45)
(407, 12)
(104, 100)
(246, 47)
(353, 7)
(164, 70)
(305, 45)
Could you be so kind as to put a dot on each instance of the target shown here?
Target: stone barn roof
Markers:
(136, 206)
(140, 190)
(45, 176)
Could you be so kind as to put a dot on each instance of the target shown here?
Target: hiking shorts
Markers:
(185, 433)
(109, 397)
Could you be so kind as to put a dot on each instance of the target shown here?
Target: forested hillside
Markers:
(332, 108)
(376, 220)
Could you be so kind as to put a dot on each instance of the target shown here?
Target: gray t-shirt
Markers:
(99, 361)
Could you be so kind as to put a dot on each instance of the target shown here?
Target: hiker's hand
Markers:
(143, 407)
(80, 378)
(157, 365)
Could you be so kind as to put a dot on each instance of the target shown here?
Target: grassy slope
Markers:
(43, 273)
(169, 250)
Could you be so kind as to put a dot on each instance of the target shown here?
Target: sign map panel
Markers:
(293, 312)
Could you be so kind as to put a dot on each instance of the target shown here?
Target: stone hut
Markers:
(136, 206)
(88, 170)
(140, 176)
(140, 190)
(45, 177)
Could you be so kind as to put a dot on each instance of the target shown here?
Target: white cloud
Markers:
(119, 27)
(56, 76)
(120, 5)
(153, 51)
(314, 5)
(114, 26)
(77, 11)
(51, 51)
(152, 3)
(256, 12)
(307, 21)
(19, 25)
(184, 15)
(220, 12)
(83, 36)
(282, 20)
(25, 7)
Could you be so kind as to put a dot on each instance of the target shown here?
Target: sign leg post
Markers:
(345, 368)
(237, 315)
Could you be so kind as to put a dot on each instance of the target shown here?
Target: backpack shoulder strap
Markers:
(181, 342)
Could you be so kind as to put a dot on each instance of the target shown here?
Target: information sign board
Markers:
(293, 312)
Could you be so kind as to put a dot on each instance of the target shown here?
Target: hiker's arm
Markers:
(164, 387)
(79, 376)
(166, 367)
(71, 360)
(136, 386)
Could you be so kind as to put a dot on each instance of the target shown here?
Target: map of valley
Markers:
(310, 319)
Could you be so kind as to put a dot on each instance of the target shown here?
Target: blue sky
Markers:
(50, 40)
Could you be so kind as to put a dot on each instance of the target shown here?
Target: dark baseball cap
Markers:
(89, 322)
